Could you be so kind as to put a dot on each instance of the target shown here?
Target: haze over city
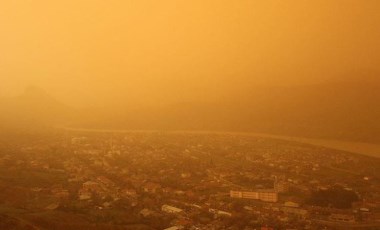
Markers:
(190, 115)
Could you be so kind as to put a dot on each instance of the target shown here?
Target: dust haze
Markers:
(276, 67)
(96, 53)
(190, 115)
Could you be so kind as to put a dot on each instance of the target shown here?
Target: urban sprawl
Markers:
(173, 180)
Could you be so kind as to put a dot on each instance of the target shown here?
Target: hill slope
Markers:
(34, 109)
(345, 110)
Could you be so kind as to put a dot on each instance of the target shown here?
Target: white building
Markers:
(170, 209)
(219, 212)
(263, 195)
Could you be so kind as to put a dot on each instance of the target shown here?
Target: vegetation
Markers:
(335, 197)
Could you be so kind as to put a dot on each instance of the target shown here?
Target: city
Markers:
(189, 115)
(180, 180)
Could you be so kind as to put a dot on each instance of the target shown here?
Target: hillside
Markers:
(344, 110)
(35, 109)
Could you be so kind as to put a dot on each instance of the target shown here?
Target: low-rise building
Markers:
(295, 211)
(291, 204)
(263, 195)
(105, 181)
(269, 195)
(281, 186)
(151, 187)
(91, 186)
(170, 209)
(342, 218)
(129, 192)
(84, 194)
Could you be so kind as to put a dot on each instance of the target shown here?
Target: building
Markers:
(244, 194)
(291, 204)
(263, 195)
(269, 195)
(146, 212)
(170, 209)
(219, 212)
(342, 218)
(84, 194)
(129, 193)
(151, 187)
(90, 186)
(105, 181)
(295, 211)
(281, 186)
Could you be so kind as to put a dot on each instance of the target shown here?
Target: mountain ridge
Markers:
(343, 110)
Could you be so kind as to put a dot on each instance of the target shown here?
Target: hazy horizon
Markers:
(152, 53)
(293, 68)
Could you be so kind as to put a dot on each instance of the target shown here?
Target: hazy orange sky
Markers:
(96, 52)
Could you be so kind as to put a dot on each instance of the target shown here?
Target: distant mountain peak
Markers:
(37, 98)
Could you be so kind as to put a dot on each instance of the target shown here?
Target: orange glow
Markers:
(111, 52)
